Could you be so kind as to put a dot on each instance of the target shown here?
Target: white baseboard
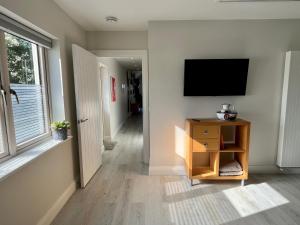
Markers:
(167, 170)
(266, 169)
(58, 205)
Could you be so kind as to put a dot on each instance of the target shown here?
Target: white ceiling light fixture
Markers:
(111, 19)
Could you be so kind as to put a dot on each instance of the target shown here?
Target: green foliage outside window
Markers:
(20, 60)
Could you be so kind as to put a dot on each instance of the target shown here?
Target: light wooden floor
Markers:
(122, 193)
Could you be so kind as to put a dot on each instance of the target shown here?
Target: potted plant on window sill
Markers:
(60, 130)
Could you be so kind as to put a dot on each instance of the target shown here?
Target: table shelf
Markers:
(204, 138)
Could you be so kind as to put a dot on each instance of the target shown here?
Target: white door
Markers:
(87, 89)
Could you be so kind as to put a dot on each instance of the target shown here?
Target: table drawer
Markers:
(205, 145)
(206, 132)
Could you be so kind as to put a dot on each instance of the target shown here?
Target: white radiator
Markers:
(289, 133)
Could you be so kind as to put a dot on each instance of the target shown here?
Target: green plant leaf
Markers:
(58, 125)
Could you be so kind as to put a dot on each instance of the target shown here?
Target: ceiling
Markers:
(131, 63)
(135, 14)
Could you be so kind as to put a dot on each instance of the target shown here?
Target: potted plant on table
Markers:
(60, 129)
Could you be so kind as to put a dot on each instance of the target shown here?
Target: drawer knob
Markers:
(205, 144)
(205, 132)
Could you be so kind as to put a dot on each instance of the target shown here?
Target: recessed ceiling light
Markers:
(111, 19)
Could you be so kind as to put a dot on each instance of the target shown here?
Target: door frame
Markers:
(143, 54)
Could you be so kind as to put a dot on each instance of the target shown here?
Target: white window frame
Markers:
(3, 127)
(14, 149)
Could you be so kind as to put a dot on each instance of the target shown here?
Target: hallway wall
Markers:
(118, 109)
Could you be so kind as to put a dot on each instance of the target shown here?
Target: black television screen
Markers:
(215, 77)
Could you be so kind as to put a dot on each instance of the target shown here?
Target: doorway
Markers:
(135, 91)
(137, 74)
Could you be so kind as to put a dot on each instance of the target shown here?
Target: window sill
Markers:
(19, 161)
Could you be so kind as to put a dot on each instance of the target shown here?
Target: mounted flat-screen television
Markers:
(215, 77)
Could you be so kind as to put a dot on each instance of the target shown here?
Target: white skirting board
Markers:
(58, 205)
(265, 169)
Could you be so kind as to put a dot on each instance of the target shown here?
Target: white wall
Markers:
(27, 195)
(118, 109)
(119, 40)
(169, 43)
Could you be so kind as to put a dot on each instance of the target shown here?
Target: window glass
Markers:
(27, 89)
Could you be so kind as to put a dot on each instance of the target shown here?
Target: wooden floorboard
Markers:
(122, 193)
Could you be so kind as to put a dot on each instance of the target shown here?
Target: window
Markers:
(24, 108)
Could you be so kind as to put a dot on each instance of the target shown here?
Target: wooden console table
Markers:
(207, 146)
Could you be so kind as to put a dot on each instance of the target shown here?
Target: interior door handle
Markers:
(83, 120)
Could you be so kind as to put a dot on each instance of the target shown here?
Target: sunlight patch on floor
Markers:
(220, 207)
(181, 186)
(209, 209)
(254, 198)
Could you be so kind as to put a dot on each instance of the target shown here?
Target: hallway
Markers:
(122, 193)
(108, 198)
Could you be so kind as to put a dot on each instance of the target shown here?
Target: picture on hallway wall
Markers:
(113, 89)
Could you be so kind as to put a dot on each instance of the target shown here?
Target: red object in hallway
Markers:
(113, 89)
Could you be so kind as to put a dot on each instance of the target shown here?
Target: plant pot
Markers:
(60, 134)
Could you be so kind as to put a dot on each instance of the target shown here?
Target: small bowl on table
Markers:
(226, 115)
